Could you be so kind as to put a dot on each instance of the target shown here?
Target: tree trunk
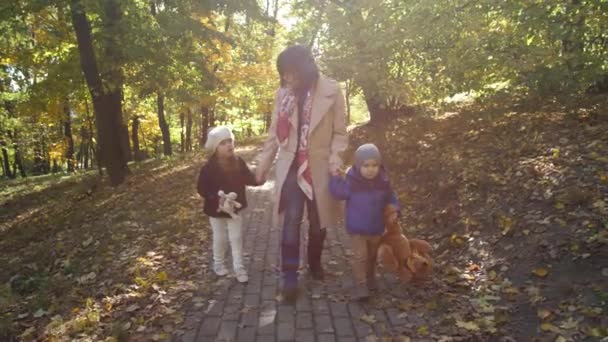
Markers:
(377, 112)
(164, 128)
(18, 162)
(6, 164)
(181, 132)
(106, 97)
(189, 131)
(67, 132)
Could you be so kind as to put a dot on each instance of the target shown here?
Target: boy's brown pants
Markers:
(365, 248)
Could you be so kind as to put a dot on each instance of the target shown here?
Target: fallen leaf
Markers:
(87, 242)
(543, 313)
(162, 276)
(369, 319)
(549, 327)
(40, 313)
(423, 330)
(472, 326)
(540, 272)
(132, 308)
(569, 324)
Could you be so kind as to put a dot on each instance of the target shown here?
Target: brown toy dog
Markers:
(410, 259)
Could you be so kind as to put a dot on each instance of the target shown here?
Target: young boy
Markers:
(367, 190)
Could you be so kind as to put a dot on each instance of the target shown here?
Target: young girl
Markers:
(227, 172)
(367, 191)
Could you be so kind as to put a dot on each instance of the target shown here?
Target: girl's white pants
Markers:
(225, 229)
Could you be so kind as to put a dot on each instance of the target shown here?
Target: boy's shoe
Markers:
(361, 293)
(241, 276)
(220, 270)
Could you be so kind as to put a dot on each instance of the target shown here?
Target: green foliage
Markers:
(420, 52)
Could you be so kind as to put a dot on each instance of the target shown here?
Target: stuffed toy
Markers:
(228, 203)
(410, 259)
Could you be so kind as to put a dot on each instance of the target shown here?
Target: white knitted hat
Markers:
(215, 136)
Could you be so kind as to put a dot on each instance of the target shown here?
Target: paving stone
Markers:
(347, 339)
(210, 326)
(246, 334)
(215, 308)
(265, 338)
(344, 326)
(320, 306)
(249, 319)
(303, 304)
(269, 292)
(286, 313)
(362, 329)
(252, 300)
(286, 331)
(304, 320)
(305, 335)
(326, 338)
(323, 324)
(339, 309)
(356, 310)
(227, 331)
(232, 312)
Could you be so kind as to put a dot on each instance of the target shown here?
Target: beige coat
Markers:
(327, 140)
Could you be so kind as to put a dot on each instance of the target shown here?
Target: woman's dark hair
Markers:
(298, 59)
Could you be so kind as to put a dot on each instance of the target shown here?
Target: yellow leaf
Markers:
(492, 275)
(549, 327)
(559, 205)
(560, 339)
(423, 330)
(540, 272)
(472, 326)
(162, 276)
(511, 290)
(456, 240)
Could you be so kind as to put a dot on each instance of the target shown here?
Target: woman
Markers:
(308, 130)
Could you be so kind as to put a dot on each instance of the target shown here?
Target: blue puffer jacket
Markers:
(365, 200)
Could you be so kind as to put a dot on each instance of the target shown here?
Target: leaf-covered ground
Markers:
(80, 258)
(515, 202)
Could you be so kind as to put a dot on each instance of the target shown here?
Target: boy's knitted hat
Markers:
(367, 152)
(215, 136)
